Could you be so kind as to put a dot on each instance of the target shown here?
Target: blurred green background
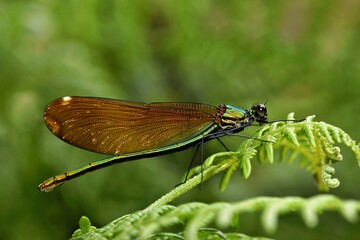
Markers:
(304, 56)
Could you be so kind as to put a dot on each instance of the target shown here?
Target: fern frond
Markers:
(194, 218)
(313, 143)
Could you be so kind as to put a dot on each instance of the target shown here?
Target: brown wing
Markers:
(117, 127)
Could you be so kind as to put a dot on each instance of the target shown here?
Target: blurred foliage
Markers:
(302, 55)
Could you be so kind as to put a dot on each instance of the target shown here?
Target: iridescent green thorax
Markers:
(230, 117)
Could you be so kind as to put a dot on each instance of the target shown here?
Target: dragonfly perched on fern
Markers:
(313, 143)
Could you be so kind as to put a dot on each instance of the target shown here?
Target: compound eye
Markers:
(262, 111)
(259, 110)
